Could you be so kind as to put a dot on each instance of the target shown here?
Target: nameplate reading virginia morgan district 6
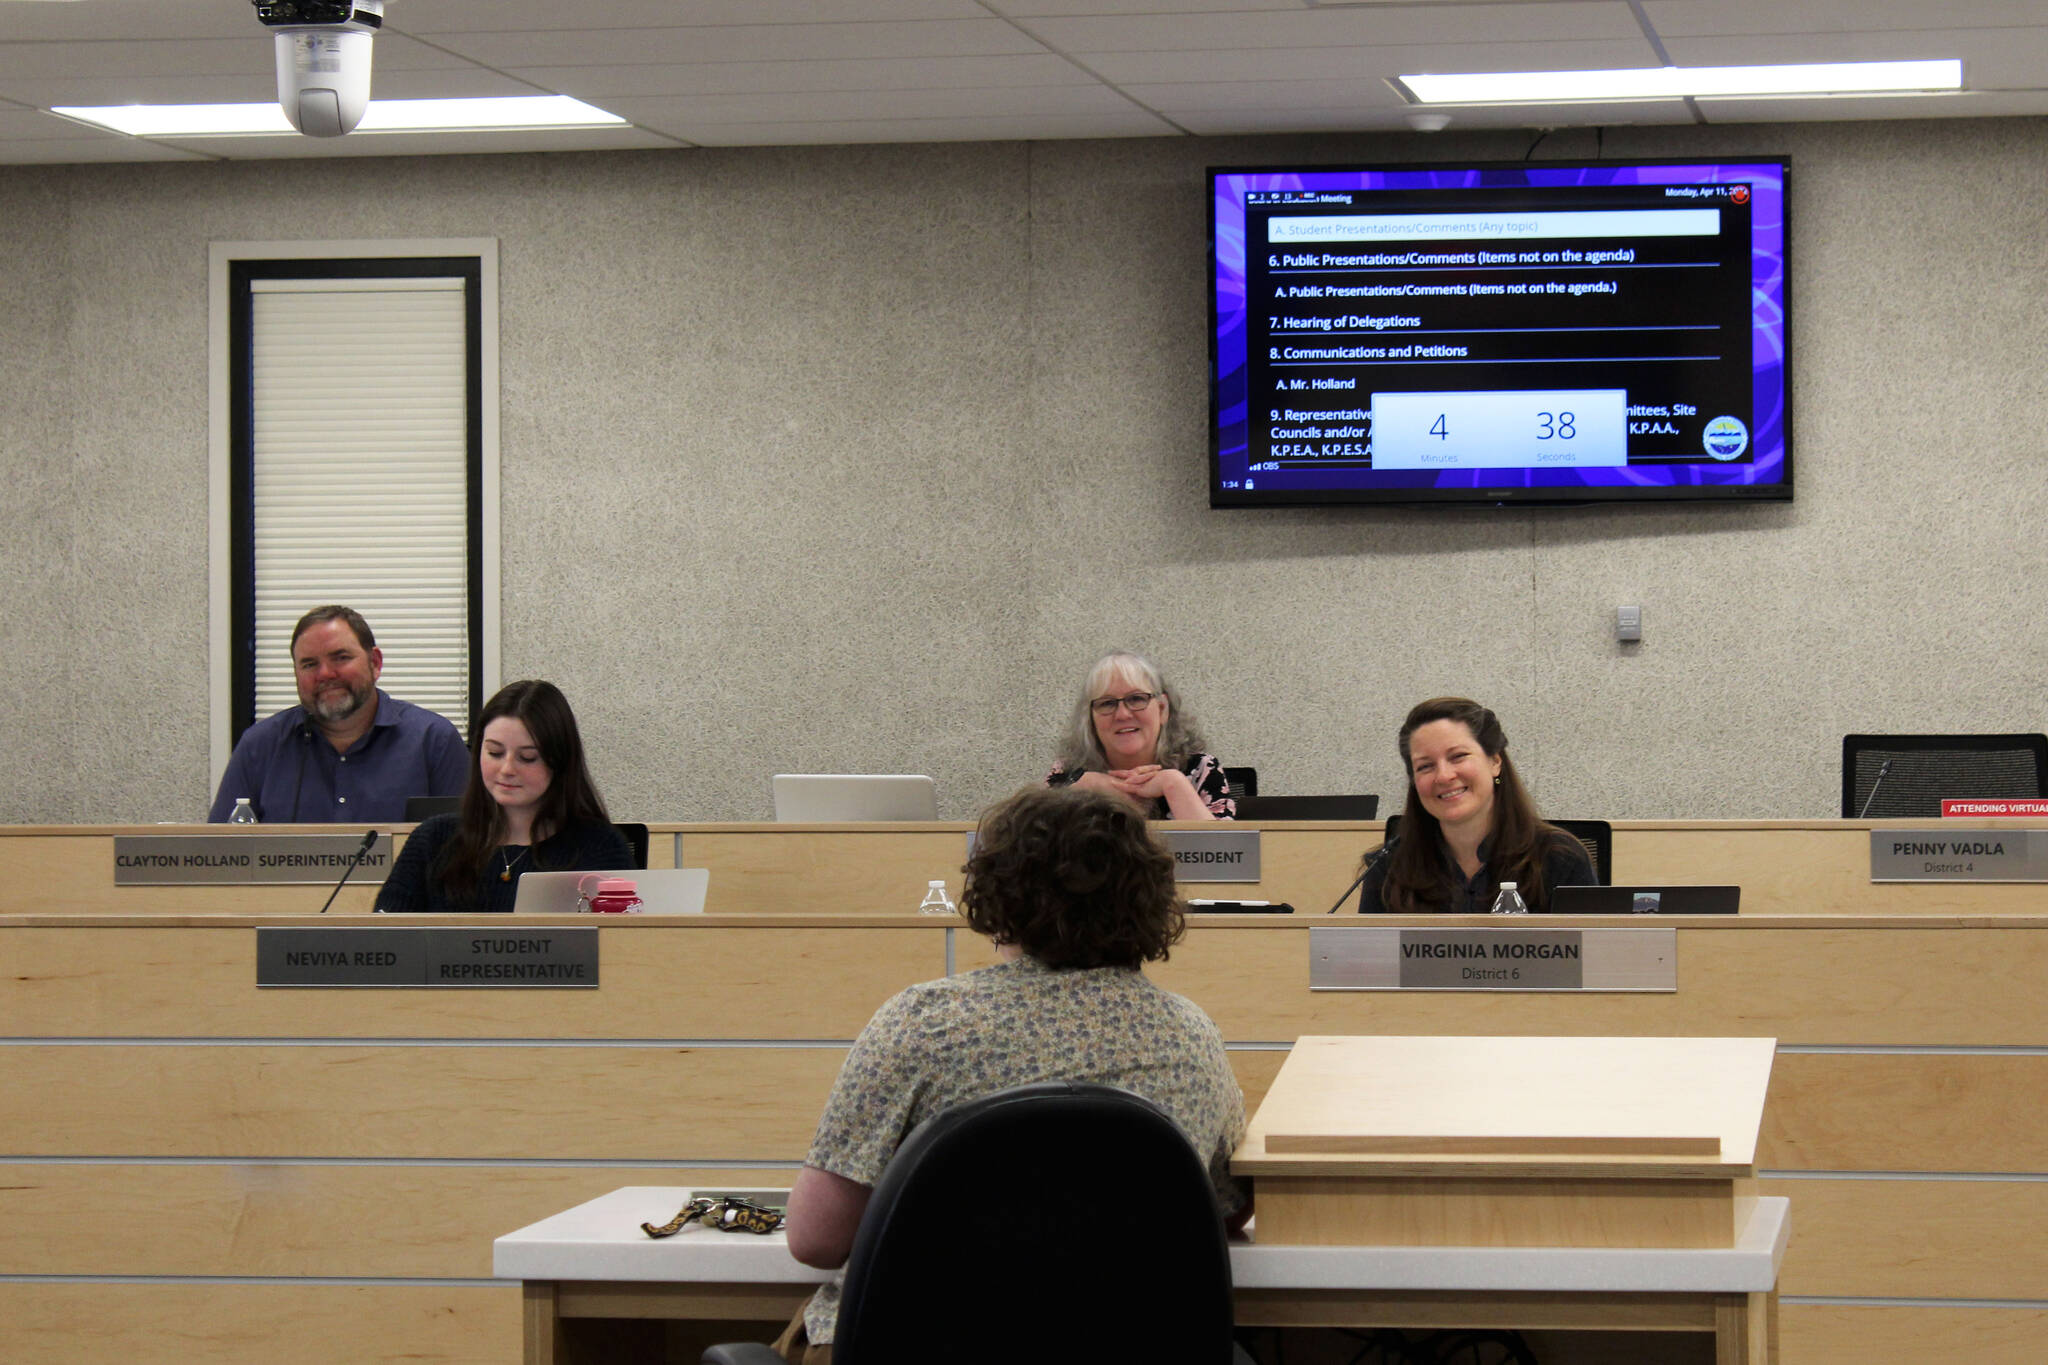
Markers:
(246, 859)
(553, 959)
(1201, 855)
(1363, 958)
(1959, 855)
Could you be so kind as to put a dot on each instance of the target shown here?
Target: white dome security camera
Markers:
(323, 60)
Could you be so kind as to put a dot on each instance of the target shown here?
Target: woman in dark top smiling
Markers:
(1469, 824)
(530, 805)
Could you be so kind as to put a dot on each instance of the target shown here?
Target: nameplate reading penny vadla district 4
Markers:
(1370, 958)
(551, 959)
(1202, 855)
(246, 859)
(1959, 855)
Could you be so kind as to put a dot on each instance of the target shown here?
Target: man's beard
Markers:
(330, 709)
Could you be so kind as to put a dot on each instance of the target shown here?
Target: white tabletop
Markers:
(602, 1240)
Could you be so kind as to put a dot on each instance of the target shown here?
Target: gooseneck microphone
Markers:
(1370, 863)
(1883, 770)
(369, 842)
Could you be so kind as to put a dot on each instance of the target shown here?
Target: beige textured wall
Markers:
(852, 458)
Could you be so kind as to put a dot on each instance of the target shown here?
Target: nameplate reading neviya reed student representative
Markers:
(553, 959)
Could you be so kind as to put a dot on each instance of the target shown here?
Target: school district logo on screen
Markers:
(1726, 437)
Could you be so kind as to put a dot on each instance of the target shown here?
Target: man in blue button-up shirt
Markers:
(347, 752)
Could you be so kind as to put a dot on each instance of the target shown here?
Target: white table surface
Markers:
(602, 1240)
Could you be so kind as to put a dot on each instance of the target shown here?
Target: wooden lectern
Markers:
(1608, 1154)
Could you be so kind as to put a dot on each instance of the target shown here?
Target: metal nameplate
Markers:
(1202, 855)
(246, 859)
(550, 959)
(1371, 958)
(1959, 855)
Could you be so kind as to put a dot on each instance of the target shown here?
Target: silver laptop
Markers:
(831, 798)
(662, 890)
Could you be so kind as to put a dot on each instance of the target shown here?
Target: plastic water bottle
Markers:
(1509, 901)
(936, 901)
(243, 814)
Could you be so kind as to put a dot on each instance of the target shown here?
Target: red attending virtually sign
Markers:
(1981, 808)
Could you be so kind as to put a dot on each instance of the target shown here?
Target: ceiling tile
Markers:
(1035, 9)
(473, 16)
(861, 106)
(1993, 59)
(1217, 97)
(879, 73)
(1698, 18)
(1332, 63)
(196, 57)
(1339, 119)
(1358, 26)
(744, 43)
(747, 72)
(126, 21)
(1134, 124)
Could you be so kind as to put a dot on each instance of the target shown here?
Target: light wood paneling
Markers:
(1794, 868)
(70, 870)
(1305, 864)
(1830, 1334)
(1785, 867)
(261, 1220)
(1932, 1239)
(809, 869)
(61, 871)
(1826, 1112)
(258, 1324)
(1906, 1112)
(623, 1103)
(1919, 983)
(1360, 1211)
(658, 980)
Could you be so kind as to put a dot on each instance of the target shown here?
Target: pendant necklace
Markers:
(510, 859)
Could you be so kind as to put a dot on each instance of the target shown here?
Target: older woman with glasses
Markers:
(1130, 736)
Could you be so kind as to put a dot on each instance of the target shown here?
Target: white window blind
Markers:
(360, 476)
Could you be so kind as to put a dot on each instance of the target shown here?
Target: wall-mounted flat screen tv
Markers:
(1521, 332)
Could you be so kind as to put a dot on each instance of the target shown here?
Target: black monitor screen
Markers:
(1523, 332)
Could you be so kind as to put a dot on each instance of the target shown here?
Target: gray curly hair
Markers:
(1179, 739)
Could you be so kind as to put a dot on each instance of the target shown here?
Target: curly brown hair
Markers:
(1073, 878)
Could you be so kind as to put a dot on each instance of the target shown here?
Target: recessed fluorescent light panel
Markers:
(1679, 82)
(383, 116)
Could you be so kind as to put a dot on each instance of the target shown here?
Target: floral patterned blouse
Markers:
(1205, 774)
(944, 1042)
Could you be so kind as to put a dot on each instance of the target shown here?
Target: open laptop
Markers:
(662, 890)
(1644, 900)
(831, 798)
(1308, 807)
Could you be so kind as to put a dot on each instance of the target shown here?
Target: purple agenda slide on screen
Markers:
(1520, 332)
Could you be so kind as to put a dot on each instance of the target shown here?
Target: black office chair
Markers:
(636, 837)
(1887, 777)
(1241, 782)
(1596, 835)
(1307, 807)
(1063, 1221)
